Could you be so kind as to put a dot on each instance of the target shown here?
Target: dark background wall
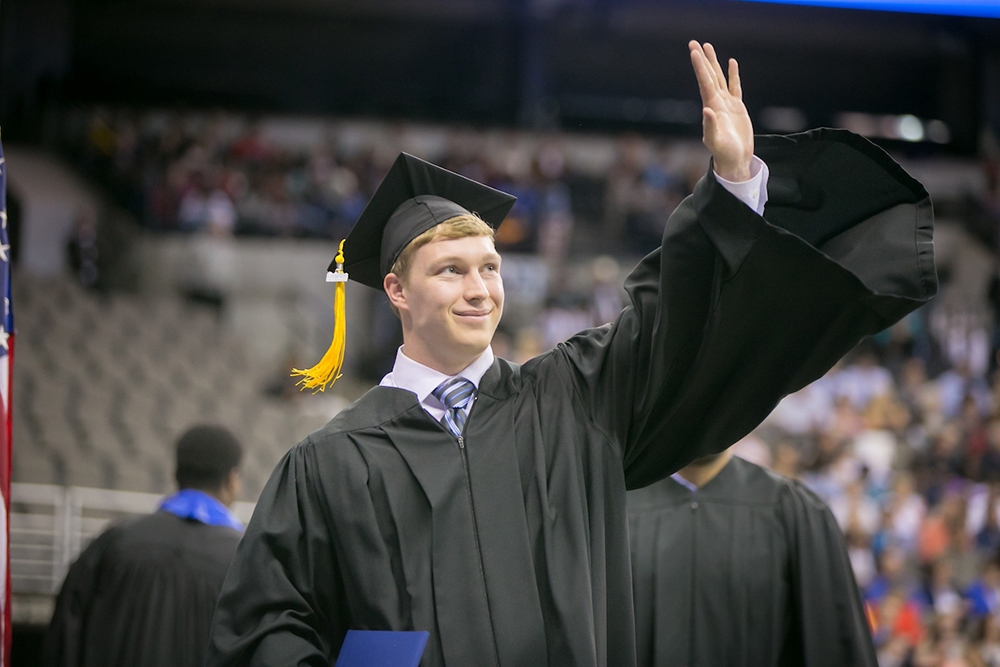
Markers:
(569, 63)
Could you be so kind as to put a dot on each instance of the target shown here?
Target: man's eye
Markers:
(450, 269)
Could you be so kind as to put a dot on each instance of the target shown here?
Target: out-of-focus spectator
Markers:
(986, 652)
(606, 300)
(808, 410)
(916, 392)
(786, 459)
(892, 575)
(955, 384)
(989, 467)
(944, 645)
(855, 511)
(940, 594)
(527, 344)
(205, 208)
(862, 559)
(906, 509)
(564, 316)
(899, 625)
(984, 593)
(863, 381)
(83, 251)
(875, 449)
(942, 462)
(988, 532)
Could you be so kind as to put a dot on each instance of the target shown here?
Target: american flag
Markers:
(6, 360)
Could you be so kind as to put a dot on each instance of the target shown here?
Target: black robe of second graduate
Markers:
(750, 569)
(513, 549)
(142, 593)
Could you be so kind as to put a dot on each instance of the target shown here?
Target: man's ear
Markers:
(235, 482)
(230, 489)
(393, 287)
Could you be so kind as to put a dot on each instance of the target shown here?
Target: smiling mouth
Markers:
(475, 314)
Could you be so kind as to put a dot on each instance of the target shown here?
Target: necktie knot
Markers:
(455, 393)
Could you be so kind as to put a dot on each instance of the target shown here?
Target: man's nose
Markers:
(475, 288)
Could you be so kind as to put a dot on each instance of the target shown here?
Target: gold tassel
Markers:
(328, 369)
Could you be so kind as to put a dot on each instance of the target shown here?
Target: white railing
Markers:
(51, 525)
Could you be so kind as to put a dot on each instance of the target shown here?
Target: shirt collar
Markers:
(422, 380)
(683, 482)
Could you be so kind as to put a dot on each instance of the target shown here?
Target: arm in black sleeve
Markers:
(282, 601)
(735, 310)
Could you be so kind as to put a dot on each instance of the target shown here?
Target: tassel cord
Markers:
(327, 371)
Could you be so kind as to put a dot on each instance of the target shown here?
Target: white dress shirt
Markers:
(753, 193)
(421, 380)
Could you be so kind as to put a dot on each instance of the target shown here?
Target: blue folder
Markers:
(371, 648)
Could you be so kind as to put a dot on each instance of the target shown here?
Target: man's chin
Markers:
(473, 346)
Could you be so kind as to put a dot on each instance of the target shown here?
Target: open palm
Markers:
(728, 132)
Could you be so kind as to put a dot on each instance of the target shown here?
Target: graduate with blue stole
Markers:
(482, 501)
(143, 591)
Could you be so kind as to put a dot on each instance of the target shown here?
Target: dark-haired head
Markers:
(208, 459)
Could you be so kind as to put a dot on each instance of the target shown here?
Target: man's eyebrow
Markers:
(455, 259)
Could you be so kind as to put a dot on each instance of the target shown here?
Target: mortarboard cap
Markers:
(414, 197)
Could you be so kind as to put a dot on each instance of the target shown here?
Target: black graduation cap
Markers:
(413, 197)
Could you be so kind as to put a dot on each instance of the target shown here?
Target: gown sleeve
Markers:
(63, 645)
(735, 310)
(829, 625)
(282, 603)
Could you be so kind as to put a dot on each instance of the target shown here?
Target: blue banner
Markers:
(984, 8)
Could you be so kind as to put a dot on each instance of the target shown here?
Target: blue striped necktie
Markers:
(455, 394)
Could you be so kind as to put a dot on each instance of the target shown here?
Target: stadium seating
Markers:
(104, 384)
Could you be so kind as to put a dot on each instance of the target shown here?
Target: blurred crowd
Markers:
(225, 174)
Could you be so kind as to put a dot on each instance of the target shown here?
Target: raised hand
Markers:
(728, 132)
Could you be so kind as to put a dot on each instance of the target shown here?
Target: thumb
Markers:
(708, 120)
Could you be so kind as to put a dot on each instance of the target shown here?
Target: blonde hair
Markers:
(453, 228)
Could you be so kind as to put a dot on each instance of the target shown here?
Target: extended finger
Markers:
(713, 60)
(713, 79)
(703, 72)
(735, 85)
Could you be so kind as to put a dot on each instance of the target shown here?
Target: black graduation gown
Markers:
(142, 593)
(513, 549)
(751, 569)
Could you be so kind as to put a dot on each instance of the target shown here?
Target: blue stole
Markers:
(198, 505)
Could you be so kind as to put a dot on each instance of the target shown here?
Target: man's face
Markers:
(451, 302)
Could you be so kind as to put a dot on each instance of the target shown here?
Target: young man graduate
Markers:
(484, 502)
(143, 592)
(733, 564)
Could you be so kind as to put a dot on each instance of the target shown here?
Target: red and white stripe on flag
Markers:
(6, 361)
